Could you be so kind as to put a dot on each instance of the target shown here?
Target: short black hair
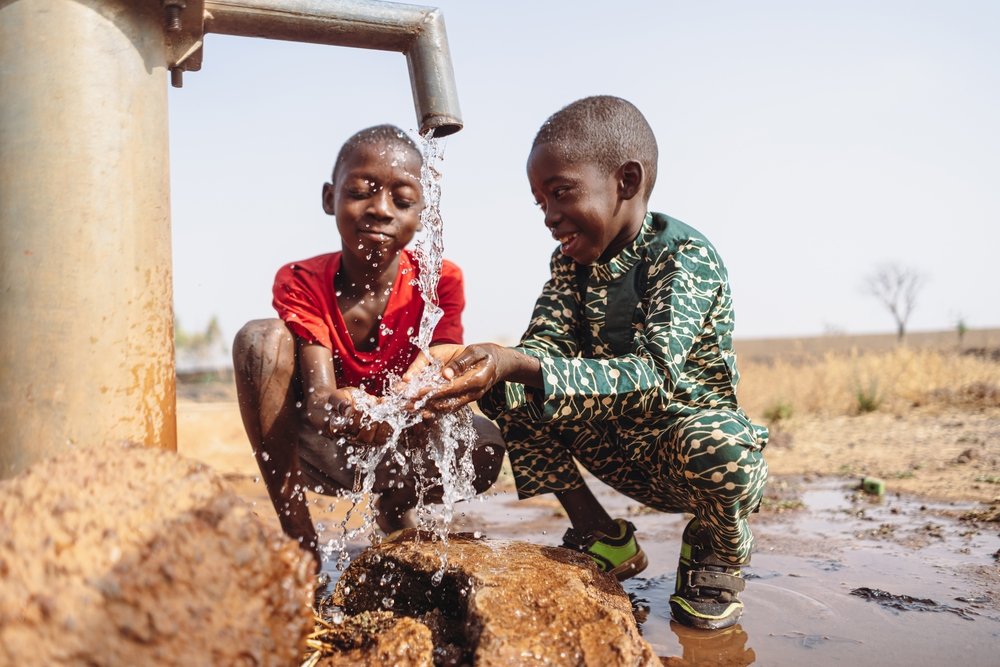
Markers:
(376, 134)
(604, 130)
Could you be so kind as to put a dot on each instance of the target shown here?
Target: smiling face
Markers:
(377, 198)
(586, 208)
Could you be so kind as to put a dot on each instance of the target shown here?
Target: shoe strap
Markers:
(720, 580)
(581, 541)
(576, 540)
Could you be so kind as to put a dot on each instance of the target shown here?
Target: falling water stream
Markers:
(444, 459)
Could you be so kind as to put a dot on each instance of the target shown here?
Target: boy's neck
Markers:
(629, 232)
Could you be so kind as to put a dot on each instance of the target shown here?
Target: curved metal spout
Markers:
(418, 32)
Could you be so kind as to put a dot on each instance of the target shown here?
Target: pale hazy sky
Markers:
(810, 141)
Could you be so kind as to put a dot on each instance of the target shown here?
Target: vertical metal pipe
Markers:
(86, 324)
(416, 31)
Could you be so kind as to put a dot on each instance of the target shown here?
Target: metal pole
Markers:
(416, 31)
(86, 323)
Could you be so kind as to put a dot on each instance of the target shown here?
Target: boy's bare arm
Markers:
(319, 383)
(280, 466)
(330, 409)
(494, 363)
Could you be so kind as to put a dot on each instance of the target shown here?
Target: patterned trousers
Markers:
(709, 464)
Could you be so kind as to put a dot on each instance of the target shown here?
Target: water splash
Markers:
(444, 464)
(429, 250)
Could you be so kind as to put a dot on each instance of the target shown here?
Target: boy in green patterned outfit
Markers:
(627, 366)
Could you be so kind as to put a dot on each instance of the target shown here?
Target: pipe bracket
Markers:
(184, 45)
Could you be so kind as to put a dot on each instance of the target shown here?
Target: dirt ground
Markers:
(934, 454)
(838, 576)
(930, 544)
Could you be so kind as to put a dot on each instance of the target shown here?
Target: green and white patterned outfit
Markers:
(646, 403)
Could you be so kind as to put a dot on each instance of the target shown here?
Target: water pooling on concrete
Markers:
(799, 603)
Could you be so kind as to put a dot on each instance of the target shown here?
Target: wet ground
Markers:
(838, 577)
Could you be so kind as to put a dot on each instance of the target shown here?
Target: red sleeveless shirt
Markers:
(305, 299)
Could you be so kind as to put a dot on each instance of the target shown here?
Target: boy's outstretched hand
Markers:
(470, 371)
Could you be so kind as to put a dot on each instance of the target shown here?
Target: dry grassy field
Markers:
(924, 415)
(847, 375)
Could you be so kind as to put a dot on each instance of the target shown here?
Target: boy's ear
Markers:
(630, 178)
(328, 193)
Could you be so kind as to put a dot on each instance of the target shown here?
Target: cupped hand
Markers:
(410, 384)
(442, 354)
(469, 373)
(340, 411)
(346, 420)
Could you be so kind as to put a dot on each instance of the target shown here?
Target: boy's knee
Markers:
(487, 433)
(266, 341)
(489, 452)
(715, 430)
(718, 443)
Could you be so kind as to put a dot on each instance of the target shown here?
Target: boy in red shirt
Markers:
(347, 319)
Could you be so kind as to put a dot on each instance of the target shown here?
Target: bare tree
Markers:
(896, 287)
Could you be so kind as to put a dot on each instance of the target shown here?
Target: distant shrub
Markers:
(778, 412)
(867, 399)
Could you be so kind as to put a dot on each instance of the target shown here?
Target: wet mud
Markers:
(838, 576)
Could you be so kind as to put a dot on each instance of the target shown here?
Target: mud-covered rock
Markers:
(500, 602)
(134, 556)
(372, 639)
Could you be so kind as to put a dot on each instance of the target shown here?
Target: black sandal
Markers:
(707, 592)
(619, 556)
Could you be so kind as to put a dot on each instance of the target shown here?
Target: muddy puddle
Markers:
(838, 577)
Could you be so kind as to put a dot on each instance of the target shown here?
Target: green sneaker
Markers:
(618, 555)
(707, 592)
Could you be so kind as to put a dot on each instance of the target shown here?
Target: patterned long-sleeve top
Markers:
(681, 359)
